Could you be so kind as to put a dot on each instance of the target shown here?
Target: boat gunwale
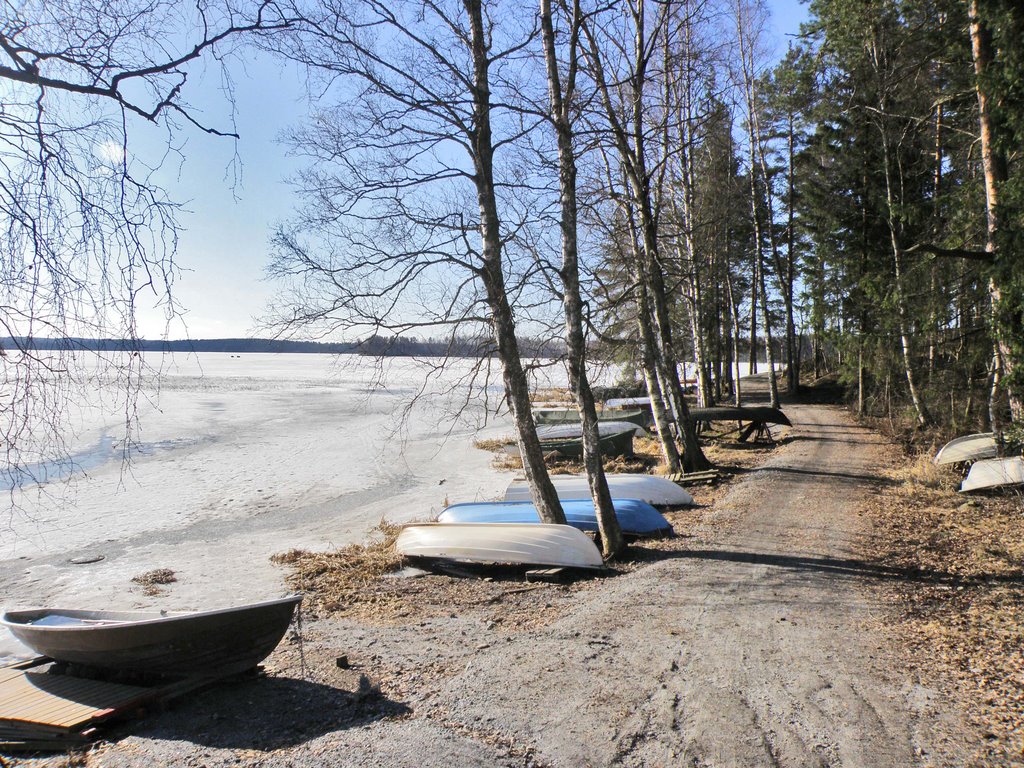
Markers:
(115, 624)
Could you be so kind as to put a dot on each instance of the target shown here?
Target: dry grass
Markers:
(646, 458)
(348, 581)
(559, 395)
(494, 444)
(963, 613)
(920, 473)
(152, 581)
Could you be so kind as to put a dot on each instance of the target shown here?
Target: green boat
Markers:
(572, 416)
(619, 444)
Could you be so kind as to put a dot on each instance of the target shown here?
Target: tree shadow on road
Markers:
(270, 713)
(843, 477)
(853, 568)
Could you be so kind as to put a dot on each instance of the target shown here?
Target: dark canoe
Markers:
(619, 444)
(219, 643)
(760, 414)
(572, 416)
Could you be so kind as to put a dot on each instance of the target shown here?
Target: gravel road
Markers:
(760, 649)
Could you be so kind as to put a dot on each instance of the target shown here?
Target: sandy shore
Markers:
(244, 456)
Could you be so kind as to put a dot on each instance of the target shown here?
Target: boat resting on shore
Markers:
(515, 543)
(758, 414)
(617, 444)
(637, 518)
(215, 643)
(981, 445)
(573, 431)
(656, 491)
(994, 473)
(572, 416)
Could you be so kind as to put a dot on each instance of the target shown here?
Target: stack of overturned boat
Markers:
(986, 469)
(511, 531)
(566, 438)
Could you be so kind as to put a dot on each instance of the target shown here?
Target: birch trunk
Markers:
(517, 389)
(995, 172)
(607, 523)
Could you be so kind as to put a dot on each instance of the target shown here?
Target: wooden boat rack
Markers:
(42, 712)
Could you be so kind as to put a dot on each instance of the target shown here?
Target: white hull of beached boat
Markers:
(574, 431)
(517, 543)
(628, 402)
(657, 491)
(967, 448)
(993, 473)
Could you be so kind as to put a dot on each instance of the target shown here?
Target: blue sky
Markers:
(233, 203)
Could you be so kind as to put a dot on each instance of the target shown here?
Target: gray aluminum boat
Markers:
(656, 491)
(220, 642)
(515, 543)
(574, 431)
(981, 445)
(994, 473)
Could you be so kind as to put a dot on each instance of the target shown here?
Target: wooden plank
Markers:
(546, 574)
(47, 712)
(681, 478)
(62, 700)
(25, 663)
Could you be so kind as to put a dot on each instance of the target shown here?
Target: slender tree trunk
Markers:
(632, 153)
(517, 389)
(757, 161)
(920, 409)
(652, 377)
(755, 278)
(995, 171)
(734, 311)
(769, 346)
(608, 523)
(860, 377)
(792, 353)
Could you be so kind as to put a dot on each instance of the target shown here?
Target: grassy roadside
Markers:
(961, 609)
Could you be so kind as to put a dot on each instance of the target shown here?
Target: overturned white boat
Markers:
(628, 402)
(516, 543)
(574, 431)
(656, 491)
(993, 473)
(967, 448)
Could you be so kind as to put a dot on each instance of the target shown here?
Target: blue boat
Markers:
(637, 518)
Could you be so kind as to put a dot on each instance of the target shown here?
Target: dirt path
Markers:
(764, 647)
(757, 650)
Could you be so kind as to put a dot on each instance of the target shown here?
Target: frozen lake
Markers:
(241, 457)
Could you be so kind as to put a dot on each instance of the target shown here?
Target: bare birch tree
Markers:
(628, 128)
(749, 18)
(88, 233)
(411, 212)
(561, 98)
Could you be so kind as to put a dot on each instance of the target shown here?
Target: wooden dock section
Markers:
(40, 711)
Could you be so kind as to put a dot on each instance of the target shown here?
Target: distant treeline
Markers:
(373, 346)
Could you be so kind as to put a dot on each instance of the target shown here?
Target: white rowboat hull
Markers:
(573, 431)
(992, 473)
(656, 491)
(967, 448)
(520, 544)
